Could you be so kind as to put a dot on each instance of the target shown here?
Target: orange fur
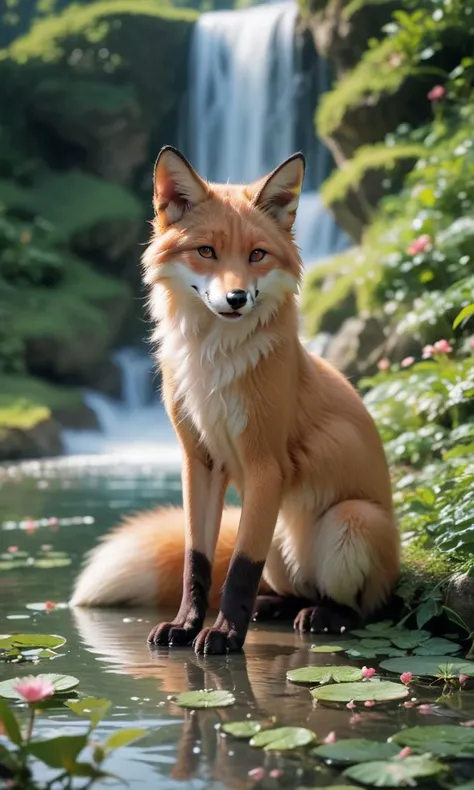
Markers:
(250, 405)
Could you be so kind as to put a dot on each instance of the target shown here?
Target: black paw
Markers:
(277, 607)
(325, 619)
(217, 642)
(172, 635)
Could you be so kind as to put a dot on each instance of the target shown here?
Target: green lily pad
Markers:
(359, 652)
(324, 674)
(244, 729)
(429, 666)
(437, 646)
(374, 690)
(446, 740)
(326, 648)
(55, 562)
(61, 683)
(30, 641)
(205, 699)
(468, 786)
(383, 625)
(283, 739)
(375, 644)
(356, 750)
(394, 773)
(407, 640)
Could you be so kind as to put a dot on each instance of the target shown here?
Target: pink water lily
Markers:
(368, 672)
(405, 752)
(275, 773)
(257, 773)
(406, 677)
(49, 606)
(405, 363)
(369, 703)
(408, 704)
(34, 689)
(420, 244)
(351, 705)
(425, 709)
(463, 679)
(330, 737)
(355, 719)
(437, 93)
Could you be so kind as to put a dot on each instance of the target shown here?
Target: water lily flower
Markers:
(330, 737)
(13, 549)
(408, 704)
(383, 364)
(34, 689)
(406, 677)
(420, 244)
(368, 672)
(257, 773)
(355, 719)
(49, 606)
(369, 703)
(351, 705)
(425, 708)
(437, 93)
(275, 773)
(405, 363)
(463, 679)
(405, 752)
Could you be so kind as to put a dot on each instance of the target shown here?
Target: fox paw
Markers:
(172, 635)
(325, 619)
(218, 642)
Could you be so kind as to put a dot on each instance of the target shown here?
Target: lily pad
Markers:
(359, 652)
(244, 729)
(375, 643)
(394, 773)
(407, 640)
(61, 683)
(356, 750)
(383, 625)
(30, 641)
(283, 739)
(441, 740)
(429, 666)
(55, 562)
(437, 646)
(205, 699)
(373, 690)
(327, 648)
(324, 674)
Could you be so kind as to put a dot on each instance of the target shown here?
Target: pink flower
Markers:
(13, 549)
(49, 606)
(469, 723)
(368, 672)
(408, 704)
(351, 705)
(355, 719)
(369, 703)
(46, 547)
(330, 737)
(405, 363)
(383, 364)
(463, 679)
(424, 709)
(420, 244)
(437, 93)
(257, 774)
(427, 352)
(34, 689)
(275, 773)
(53, 521)
(406, 678)
(395, 60)
(404, 753)
(442, 347)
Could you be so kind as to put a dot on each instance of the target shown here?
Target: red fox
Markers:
(250, 406)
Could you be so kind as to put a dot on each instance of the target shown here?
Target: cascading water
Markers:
(249, 104)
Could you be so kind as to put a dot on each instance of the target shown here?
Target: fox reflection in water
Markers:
(257, 678)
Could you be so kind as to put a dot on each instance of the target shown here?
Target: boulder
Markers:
(42, 440)
(357, 347)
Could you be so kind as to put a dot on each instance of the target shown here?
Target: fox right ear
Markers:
(177, 187)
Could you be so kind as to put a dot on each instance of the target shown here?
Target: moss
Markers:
(20, 413)
(26, 401)
(422, 570)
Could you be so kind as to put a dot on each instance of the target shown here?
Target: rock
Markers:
(79, 417)
(460, 597)
(43, 440)
(357, 347)
(401, 346)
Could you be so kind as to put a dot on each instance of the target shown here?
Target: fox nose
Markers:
(237, 298)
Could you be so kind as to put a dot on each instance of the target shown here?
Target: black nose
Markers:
(237, 298)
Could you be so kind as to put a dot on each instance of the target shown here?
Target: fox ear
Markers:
(177, 187)
(278, 193)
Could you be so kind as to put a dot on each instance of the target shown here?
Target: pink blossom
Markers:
(275, 773)
(330, 737)
(469, 723)
(408, 704)
(395, 60)
(406, 678)
(46, 547)
(369, 703)
(427, 352)
(368, 672)
(436, 93)
(355, 719)
(34, 689)
(53, 521)
(49, 606)
(383, 364)
(463, 679)
(405, 363)
(257, 773)
(420, 244)
(404, 753)
(424, 709)
(13, 549)
(442, 347)
(351, 705)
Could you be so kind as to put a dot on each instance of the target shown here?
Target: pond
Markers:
(54, 511)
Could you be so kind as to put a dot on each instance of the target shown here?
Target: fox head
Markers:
(222, 248)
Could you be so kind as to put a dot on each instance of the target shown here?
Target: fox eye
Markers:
(256, 256)
(207, 252)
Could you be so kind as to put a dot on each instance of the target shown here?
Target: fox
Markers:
(316, 535)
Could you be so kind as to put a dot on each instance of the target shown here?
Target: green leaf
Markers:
(426, 612)
(437, 647)
(205, 699)
(375, 690)
(380, 627)
(410, 639)
(89, 771)
(123, 738)
(327, 648)
(90, 708)
(29, 641)
(375, 643)
(61, 684)
(8, 719)
(54, 562)
(359, 652)
(356, 750)
(446, 740)
(59, 752)
(244, 729)
(468, 786)
(283, 739)
(324, 674)
(394, 773)
(429, 666)
(465, 314)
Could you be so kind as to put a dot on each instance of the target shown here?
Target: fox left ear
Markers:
(177, 186)
(278, 193)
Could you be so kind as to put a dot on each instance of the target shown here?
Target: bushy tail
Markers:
(140, 563)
